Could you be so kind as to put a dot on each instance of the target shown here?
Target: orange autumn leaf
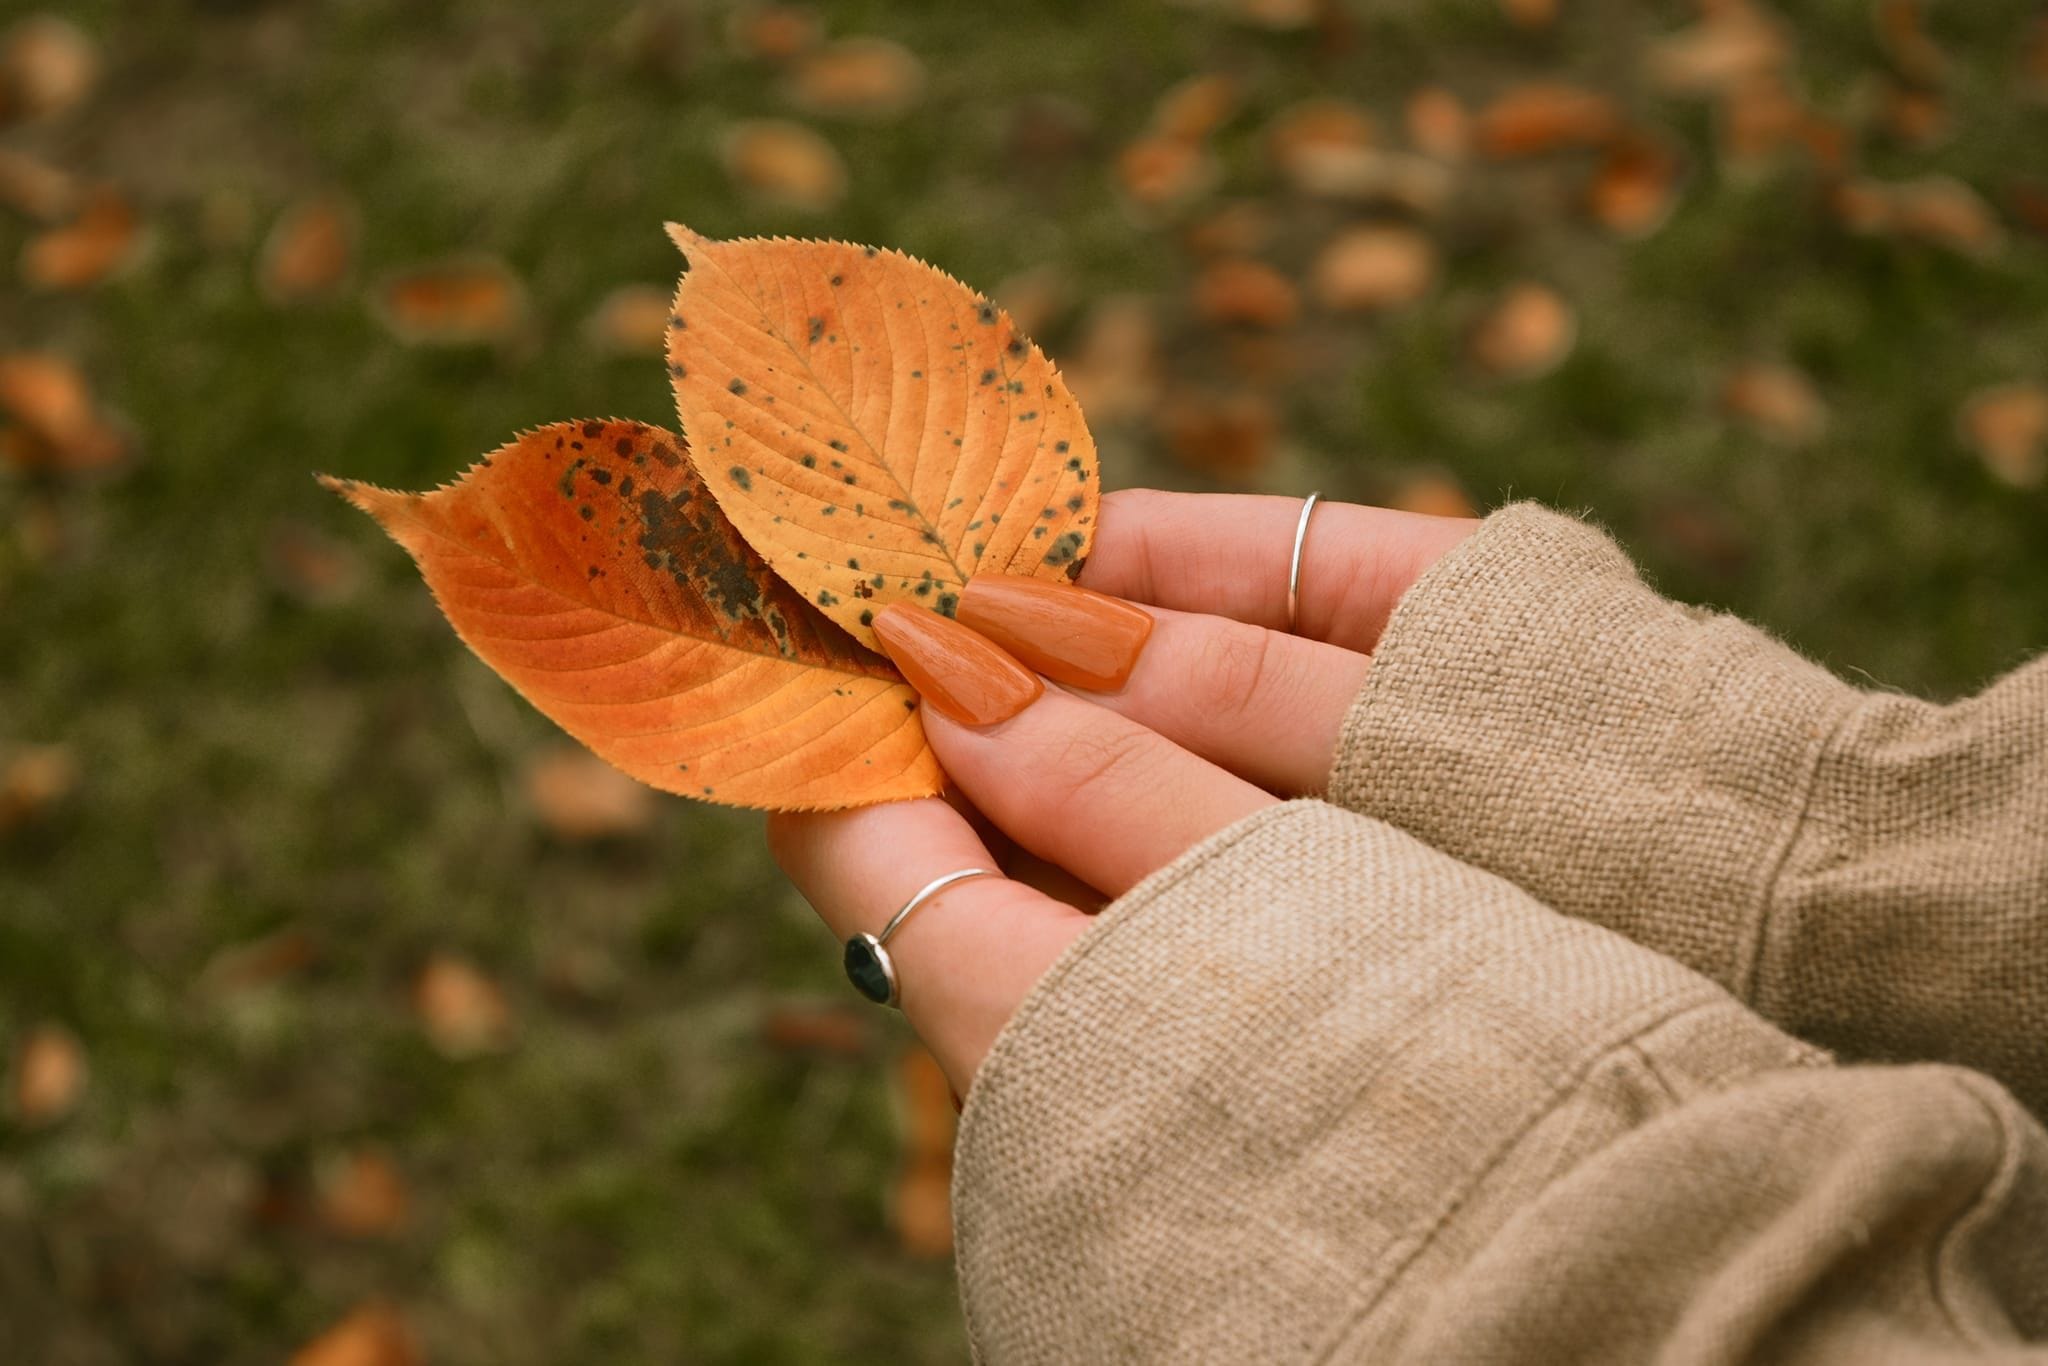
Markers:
(462, 1010)
(310, 250)
(579, 797)
(876, 430)
(1528, 331)
(584, 562)
(97, 243)
(865, 78)
(1530, 120)
(452, 303)
(1238, 293)
(50, 1076)
(372, 1335)
(2007, 426)
(785, 162)
(1636, 186)
(361, 1194)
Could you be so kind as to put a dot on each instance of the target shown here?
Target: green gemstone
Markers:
(864, 969)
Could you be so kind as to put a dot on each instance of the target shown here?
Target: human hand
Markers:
(1170, 721)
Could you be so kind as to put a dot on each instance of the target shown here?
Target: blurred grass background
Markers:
(318, 992)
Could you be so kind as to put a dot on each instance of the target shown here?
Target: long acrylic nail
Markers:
(1071, 635)
(954, 669)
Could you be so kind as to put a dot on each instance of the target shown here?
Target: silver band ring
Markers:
(1308, 505)
(868, 964)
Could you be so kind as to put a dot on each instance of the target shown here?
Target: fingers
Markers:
(1092, 791)
(1228, 554)
(966, 958)
(1264, 704)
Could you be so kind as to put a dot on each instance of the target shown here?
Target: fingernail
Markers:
(954, 669)
(1070, 634)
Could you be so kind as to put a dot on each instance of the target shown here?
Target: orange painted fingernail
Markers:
(1071, 635)
(954, 669)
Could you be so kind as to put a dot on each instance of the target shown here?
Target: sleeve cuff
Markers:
(1536, 709)
(1285, 1072)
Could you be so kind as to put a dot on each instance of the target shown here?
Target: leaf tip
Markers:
(685, 239)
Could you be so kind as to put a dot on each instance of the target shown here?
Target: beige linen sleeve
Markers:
(1866, 870)
(1316, 1092)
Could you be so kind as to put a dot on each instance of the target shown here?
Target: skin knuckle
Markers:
(1094, 765)
(1239, 671)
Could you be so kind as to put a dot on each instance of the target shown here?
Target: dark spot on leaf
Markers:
(1016, 346)
(604, 477)
(567, 483)
(923, 588)
(676, 323)
(862, 590)
(852, 564)
(676, 371)
(1076, 503)
(987, 313)
(586, 512)
(817, 330)
(836, 444)
(988, 377)
(737, 386)
(1065, 550)
(741, 477)
(1031, 416)
(979, 546)
(868, 252)
(809, 462)
(868, 619)
(827, 598)
(626, 487)
(1049, 512)
(1074, 566)
(828, 510)
(838, 279)
(849, 479)
(666, 454)
(593, 428)
(947, 602)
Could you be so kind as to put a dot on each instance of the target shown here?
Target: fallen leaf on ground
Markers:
(274, 957)
(1527, 332)
(311, 566)
(921, 1204)
(34, 781)
(1242, 227)
(1228, 435)
(1368, 269)
(372, 1335)
(1320, 144)
(1234, 292)
(1939, 210)
(1914, 117)
(2007, 426)
(1635, 187)
(837, 1029)
(867, 78)
(2029, 204)
(1759, 119)
(1776, 401)
(47, 65)
(876, 430)
(1901, 27)
(49, 1076)
(361, 1194)
(96, 244)
(586, 563)
(1530, 13)
(461, 302)
(1160, 174)
(1531, 120)
(1733, 46)
(1433, 495)
(579, 796)
(632, 320)
(1281, 16)
(36, 188)
(1439, 124)
(1115, 368)
(62, 429)
(1196, 107)
(785, 162)
(463, 1011)
(310, 250)
(774, 33)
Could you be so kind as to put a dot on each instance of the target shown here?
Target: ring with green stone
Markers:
(868, 965)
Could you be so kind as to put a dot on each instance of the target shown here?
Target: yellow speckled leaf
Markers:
(876, 430)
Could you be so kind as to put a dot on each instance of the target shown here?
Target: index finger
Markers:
(1228, 554)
